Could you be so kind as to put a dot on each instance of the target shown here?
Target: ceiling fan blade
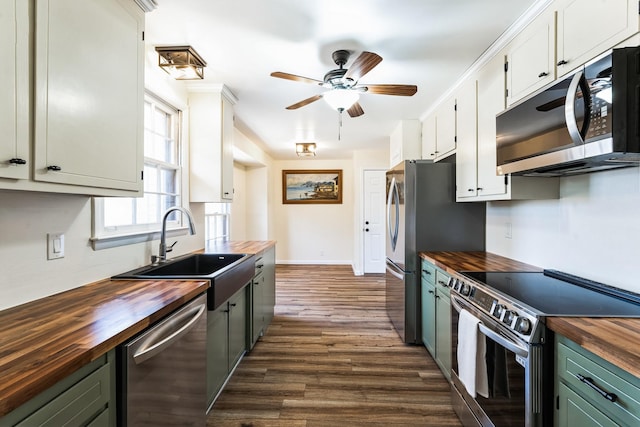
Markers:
(355, 110)
(295, 78)
(362, 65)
(398, 90)
(304, 102)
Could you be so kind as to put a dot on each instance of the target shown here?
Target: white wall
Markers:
(239, 205)
(592, 231)
(315, 233)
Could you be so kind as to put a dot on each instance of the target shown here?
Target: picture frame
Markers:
(312, 186)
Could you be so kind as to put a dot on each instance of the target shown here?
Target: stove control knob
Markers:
(458, 285)
(465, 289)
(508, 317)
(498, 310)
(523, 325)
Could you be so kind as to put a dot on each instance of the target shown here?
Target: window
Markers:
(119, 219)
(217, 218)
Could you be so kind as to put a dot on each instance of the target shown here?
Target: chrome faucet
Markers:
(162, 250)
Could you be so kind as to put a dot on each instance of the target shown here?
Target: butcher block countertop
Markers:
(44, 341)
(616, 340)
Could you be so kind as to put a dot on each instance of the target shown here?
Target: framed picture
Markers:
(311, 186)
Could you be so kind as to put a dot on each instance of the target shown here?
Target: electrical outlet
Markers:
(507, 231)
(55, 245)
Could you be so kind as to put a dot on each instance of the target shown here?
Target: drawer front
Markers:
(575, 411)
(574, 361)
(428, 272)
(442, 283)
(77, 405)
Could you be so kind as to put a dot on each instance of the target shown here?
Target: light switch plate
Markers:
(55, 245)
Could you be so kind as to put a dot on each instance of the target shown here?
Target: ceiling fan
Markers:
(344, 89)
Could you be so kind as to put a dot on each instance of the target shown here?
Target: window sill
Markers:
(106, 242)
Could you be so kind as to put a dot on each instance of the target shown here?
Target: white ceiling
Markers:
(429, 43)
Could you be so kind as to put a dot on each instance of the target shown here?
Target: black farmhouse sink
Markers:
(227, 273)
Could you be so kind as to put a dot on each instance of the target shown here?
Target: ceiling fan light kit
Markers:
(343, 83)
(181, 62)
(341, 99)
(306, 149)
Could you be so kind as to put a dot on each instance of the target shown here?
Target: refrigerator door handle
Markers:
(394, 199)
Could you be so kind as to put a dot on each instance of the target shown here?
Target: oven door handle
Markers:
(504, 341)
(499, 339)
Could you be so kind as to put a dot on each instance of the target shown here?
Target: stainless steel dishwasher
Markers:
(162, 372)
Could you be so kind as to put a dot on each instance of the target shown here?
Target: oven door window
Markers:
(505, 405)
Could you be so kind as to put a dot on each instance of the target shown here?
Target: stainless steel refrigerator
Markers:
(422, 215)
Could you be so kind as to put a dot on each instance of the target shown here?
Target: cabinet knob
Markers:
(562, 62)
(470, 189)
(366, 229)
(543, 74)
(479, 188)
(17, 161)
(54, 168)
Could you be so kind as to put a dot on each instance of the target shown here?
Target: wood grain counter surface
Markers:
(616, 340)
(44, 341)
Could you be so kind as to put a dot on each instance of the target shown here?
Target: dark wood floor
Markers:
(332, 358)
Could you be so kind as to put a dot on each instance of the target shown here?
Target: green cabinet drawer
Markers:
(574, 361)
(82, 403)
(575, 411)
(442, 283)
(428, 272)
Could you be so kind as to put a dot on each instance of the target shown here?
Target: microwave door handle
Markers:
(577, 135)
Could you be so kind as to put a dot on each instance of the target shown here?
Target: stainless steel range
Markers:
(514, 361)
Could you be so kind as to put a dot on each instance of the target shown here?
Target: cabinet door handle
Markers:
(54, 168)
(611, 397)
(431, 292)
(479, 188)
(470, 189)
(562, 62)
(543, 74)
(17, 161)
(427, 272)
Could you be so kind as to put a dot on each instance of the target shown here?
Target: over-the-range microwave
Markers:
(585, 122)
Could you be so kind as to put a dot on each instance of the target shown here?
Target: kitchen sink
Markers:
(227, 273)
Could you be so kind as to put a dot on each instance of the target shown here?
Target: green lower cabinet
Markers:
(85, 398)
(591, 391)
(226, 341)
(429, 316)
(436, 315)
(573, 410)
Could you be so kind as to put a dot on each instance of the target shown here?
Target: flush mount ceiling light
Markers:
(341, 99)
(305, 149)
(181, 62)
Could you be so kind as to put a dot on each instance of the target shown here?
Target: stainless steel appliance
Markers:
(587, 121)
(512, 308)
(422, 215)
(162, 372)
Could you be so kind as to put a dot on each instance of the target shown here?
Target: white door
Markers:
(373, 221)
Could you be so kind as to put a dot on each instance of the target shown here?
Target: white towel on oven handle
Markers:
(472, 366)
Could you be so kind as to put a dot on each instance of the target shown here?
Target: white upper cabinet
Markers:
(476, 175)
(587, 29)
(89, 92)
(467, 155)
(439, 131)
(405, 142)
(531, 58)
(211, 145)
(446, 128)
(14, 86)
(429, 146)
